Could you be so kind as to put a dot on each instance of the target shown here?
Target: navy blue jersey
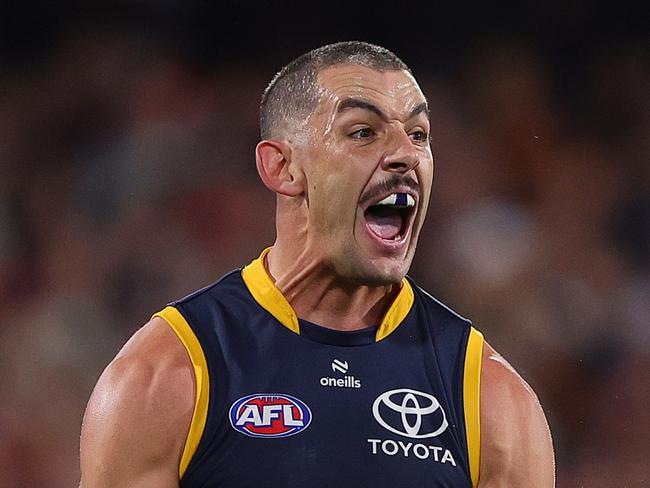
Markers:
(281, 402)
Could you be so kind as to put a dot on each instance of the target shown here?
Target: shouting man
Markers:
(320, 363)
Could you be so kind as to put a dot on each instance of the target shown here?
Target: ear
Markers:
(273, 160)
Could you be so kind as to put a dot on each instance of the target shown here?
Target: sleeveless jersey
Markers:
(281, 402)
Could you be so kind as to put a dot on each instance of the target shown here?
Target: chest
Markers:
(287, 411)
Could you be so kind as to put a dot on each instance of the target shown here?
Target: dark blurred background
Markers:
(127, 179)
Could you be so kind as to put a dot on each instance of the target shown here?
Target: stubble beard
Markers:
(357, 269)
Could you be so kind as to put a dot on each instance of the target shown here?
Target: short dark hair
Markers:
(293, 92)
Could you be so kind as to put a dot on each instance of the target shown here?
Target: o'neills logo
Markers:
(346, 382)
(339, 366)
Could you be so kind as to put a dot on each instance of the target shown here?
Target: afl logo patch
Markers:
(269, 415)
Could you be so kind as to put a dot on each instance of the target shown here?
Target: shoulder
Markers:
(516, 446)
(433, 305)
(147, 388)
(152, 366)
(227, 285)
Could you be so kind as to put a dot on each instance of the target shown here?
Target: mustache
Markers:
(389, 186)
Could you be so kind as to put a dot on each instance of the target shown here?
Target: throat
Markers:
(344, 309)
(317, 294)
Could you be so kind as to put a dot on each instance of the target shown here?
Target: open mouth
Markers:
(390, 218)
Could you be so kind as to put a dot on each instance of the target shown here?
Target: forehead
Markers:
(396, 91)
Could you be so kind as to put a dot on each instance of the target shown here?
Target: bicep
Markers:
(516, 446)
(136, 420)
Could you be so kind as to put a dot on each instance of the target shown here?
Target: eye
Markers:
(364, 133)
(419, 136)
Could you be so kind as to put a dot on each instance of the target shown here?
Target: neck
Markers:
(318, 295)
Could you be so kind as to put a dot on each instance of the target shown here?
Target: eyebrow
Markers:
(423, 107)
(349, 103)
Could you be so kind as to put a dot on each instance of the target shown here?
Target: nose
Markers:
(402, 155)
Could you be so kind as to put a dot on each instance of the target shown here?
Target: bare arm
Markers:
(138, 415)
(516, 446)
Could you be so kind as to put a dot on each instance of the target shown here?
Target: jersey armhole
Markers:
(471, 401)
(185, 333)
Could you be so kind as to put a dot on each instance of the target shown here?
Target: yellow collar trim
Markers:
(261, 286)
(397, 311)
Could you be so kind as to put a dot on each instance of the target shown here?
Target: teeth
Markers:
(398, 200)
(389, 200)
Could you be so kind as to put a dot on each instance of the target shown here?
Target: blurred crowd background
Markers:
(127, 179)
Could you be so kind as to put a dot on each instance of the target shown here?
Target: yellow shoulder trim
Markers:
(397, 312)
(471, 401)
(264, 291)
(185, 333)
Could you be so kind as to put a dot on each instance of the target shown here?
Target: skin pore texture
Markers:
(369, 136)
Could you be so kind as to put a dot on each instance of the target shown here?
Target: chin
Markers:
(392, 275)
(371, 268)
(382, 272)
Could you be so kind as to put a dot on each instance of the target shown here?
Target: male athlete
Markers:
(320, 364)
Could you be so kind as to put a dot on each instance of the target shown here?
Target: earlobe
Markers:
(273, 160)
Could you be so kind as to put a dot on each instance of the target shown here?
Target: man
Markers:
(320, 364)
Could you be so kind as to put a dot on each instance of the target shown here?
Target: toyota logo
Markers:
(410, 408)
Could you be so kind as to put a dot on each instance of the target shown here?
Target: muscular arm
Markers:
(516, 446)
(138, 415)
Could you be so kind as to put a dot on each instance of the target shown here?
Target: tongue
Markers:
(386, 223)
